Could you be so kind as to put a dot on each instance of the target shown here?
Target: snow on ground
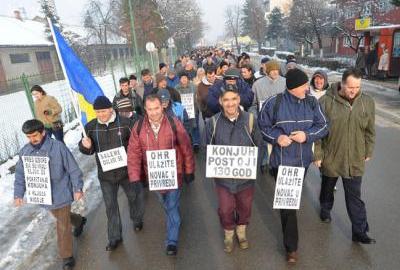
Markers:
(27, 233)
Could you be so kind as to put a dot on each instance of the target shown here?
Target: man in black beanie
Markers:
(291, 121)
(108, 137)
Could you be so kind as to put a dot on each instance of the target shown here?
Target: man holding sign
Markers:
(232, 140)
(187, 90)
(48, 175)
(160, 146)
(291, 122)
(107, 137)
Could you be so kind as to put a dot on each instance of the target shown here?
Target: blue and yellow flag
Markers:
(79, 77)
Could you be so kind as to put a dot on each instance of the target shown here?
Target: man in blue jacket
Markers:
(232, 77)
(291, 122)
(65, 181)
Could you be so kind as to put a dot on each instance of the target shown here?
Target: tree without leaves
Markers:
(184, 21)
(48, 12)
(232, 23)
(253, 21)
(275, 26)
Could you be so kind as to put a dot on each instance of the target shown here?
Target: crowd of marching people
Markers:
(292, 119)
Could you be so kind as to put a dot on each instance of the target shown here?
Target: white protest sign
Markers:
(188, 104)
(37, 180)
(162, 169)
(289, 184)
(226, 161)
(113, 159)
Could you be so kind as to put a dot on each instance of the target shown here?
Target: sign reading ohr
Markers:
(37, 180)
(188, 104)
(362, 24)
(289, 184)
(236, 162)
(162, 169)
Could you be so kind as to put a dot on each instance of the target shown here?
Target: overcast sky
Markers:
(70, 12)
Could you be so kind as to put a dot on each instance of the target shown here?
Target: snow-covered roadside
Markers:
(27, 233)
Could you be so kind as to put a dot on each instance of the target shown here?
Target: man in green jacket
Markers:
(344, 152)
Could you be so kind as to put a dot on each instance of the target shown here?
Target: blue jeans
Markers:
(170, 202)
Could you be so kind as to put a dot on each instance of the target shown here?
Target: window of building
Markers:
(347, 41)
(43, 56)
(396, 45)
(18, 58)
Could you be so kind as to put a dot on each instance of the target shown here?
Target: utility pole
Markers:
(137, 61)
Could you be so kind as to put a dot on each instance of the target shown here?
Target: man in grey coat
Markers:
(65, 183)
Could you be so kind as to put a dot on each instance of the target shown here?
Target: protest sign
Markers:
(162, 169)
(37, 180)
(113, 159)
(289, 184)
(188, 104)
(226, 161)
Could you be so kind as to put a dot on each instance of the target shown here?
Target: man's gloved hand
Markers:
(188, 178)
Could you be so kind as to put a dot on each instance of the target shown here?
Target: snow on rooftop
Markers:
(14, 32)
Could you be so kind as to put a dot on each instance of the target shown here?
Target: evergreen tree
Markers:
(275, 25)
(396, 3)
(253, 20)
(49, 12)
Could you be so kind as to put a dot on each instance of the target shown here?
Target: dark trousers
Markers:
(352, 194)
(234, 208)
(58, 134)
(289, 224)
(110, 196)
(65, 219)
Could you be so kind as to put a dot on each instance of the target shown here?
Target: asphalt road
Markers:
(321, 246)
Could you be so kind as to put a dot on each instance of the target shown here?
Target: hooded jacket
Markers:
(319, 93)
(351, 136)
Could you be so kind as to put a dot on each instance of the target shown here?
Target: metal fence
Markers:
(15, 105)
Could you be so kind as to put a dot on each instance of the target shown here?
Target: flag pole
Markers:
(71, 95)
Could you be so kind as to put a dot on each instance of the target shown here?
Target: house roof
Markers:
(14, 32)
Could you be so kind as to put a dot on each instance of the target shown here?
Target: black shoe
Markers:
(363, 239)
(138, 227)
(112, 245)
(196, 148)
(78, 230)
(68, 263)
(171, 250)
(325, 218)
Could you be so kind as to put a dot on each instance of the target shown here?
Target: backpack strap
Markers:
(275, 109)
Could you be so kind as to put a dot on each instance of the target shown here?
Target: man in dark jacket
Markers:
(232, 76)
(233, 127)
(291, 122)
(347, 148)
(147, 85)
(247, 73)
(202, 92)
(65, 184)
(127, 102)
(108, 138)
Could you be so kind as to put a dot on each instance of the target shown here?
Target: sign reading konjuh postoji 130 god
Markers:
(37, 179)
(236, 162)
(289, 184)
(162, 169)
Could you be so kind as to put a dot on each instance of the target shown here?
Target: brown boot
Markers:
(228, 241)
(292, 257)
(241, 234)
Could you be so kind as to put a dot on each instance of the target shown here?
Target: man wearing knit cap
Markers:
(161, 83)
(291, 121)
(108, 135)
(261, 72)
(264, 88)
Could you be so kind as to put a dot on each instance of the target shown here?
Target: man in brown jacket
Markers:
(344, 152)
